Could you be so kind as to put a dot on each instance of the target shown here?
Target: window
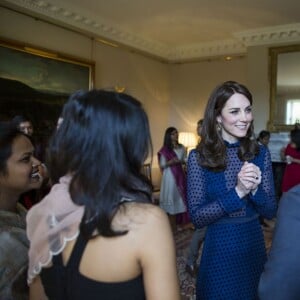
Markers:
(293, 111)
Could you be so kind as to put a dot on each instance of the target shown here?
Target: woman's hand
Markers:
(249, 178)
(173, 161)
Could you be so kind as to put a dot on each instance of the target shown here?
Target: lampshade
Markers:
(188, 139)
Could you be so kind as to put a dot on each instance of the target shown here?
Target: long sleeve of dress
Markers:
(264, 199)
(203, 209)
(212, 196)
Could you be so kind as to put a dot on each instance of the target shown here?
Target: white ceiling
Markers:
(175, 30)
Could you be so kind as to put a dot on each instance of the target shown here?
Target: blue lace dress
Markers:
(234, 251)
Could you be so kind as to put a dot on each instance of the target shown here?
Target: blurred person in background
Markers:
(171, 159)
(291, 155)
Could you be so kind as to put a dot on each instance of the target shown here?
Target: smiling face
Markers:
(235, 118)
(21, 168)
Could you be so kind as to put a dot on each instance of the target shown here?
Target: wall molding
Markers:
(99, 29)
(270, 35)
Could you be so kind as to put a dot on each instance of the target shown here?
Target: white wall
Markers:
(28, 30)
(192, 83)
(258, 82)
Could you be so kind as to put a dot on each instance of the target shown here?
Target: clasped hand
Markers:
(249, 178)
(174, 161)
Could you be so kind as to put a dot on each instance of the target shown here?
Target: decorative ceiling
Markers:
(174, 30)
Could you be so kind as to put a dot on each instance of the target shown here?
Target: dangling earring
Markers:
(219, 127)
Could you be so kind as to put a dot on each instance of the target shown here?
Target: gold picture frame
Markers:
(276, 121)
(36, 82)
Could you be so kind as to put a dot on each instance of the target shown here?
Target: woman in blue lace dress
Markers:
(229, 184)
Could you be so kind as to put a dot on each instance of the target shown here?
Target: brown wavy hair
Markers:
(212, 149)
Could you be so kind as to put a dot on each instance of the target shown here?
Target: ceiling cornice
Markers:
(237, 45)
(97, 29)
(207, 50)
(288, 33)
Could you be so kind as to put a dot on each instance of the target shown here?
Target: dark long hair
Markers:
(102, 142)
(211, 149)
(167, 138)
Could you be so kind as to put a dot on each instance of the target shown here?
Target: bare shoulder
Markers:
(137, 215)
(149, 211)
(144, 221)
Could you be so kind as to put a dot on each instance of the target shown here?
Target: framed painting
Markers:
(36, 83)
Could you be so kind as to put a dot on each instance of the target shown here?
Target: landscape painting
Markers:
(36, 83)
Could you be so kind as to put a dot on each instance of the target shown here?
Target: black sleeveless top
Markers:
(66, 283)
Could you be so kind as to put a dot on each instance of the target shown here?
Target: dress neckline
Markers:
(232, 145)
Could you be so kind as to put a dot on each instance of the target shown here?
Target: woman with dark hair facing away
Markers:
(171, 158)
(291, 153)
(229, 184)
(18, 174)
(97, 234)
